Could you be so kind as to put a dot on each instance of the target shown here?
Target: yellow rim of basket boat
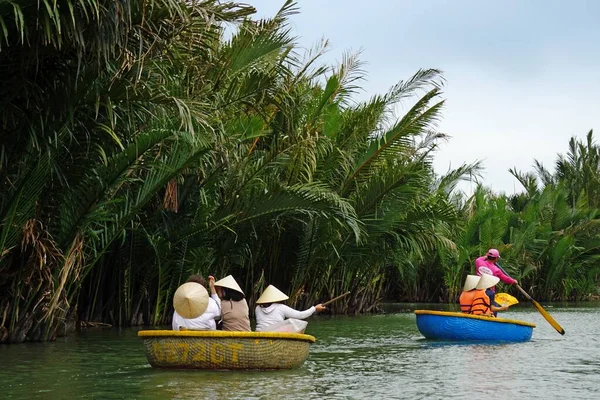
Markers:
(481, 317)
(226, 334)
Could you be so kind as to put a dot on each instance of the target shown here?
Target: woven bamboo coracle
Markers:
(225, 350)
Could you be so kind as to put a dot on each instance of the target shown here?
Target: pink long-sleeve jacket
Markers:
(483, 266)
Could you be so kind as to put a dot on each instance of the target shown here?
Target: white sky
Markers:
(523, 76)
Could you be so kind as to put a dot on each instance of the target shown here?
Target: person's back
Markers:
(235, 315)
(466, 301)
(274, 313)
(481, 303)
(269, 311)
(466, 297)
(487, 265)
(205, 322)
(484, 266)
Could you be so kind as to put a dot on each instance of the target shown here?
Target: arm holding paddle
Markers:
(488, 264)
(321, 307)
(291, 313)
(504, 277)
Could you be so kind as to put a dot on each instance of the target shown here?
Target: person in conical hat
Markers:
(482, 303)
(491, 293)
(471, 282)
(270, 313)
(196, 320)
(466, 297)
(234, 307)
(488, 264)
(190, 300)
(271, 295)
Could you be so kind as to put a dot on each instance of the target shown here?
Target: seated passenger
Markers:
(234, 308)
(191, 311)
(482, 305)
(270, 314)
(469, 291)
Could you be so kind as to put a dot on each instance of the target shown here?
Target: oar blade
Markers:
(548, 317)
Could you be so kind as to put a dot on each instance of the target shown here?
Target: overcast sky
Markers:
(523, 76)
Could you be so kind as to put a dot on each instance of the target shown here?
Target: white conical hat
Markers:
(190, 300)
(271, 295)
(471, 282)
(487, 281)
(229, 283)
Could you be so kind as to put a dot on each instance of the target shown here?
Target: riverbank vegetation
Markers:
(143, 141)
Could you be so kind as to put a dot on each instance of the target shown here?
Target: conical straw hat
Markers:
(487, 281)
(271, 295)
(190, 300)
(471, 282)
(229, 283)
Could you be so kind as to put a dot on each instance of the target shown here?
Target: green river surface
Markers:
(372, 356)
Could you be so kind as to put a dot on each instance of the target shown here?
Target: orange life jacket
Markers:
(466, 299)
(481, 303)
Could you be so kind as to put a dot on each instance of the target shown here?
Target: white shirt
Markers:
(275, 313)
(205, 322)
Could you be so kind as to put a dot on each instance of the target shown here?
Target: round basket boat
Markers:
(441, 325)
(225, 350)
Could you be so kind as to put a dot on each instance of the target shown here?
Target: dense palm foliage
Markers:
(146, 140)
(140, 144)
(548, 235)
(101, 109)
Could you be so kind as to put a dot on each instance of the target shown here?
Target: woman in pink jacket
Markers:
(487, 265)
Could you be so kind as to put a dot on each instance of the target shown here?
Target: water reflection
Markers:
(361, 357)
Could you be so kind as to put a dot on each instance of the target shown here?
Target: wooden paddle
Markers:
(544, 313)
(336, 298)
(537, 305)
(505, 298)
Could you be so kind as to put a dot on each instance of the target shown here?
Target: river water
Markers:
(379, 356)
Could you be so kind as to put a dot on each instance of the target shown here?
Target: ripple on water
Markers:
(354, 357)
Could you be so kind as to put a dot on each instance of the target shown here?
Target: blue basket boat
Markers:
(455, 326)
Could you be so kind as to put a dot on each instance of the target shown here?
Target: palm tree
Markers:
(95, 123)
